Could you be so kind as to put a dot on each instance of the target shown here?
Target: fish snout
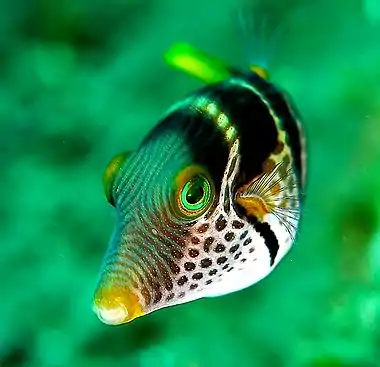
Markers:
(116, 305)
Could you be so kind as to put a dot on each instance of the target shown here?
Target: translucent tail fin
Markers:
(260, 39)
(260, 36)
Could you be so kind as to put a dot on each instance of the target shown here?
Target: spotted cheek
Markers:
(203, 259)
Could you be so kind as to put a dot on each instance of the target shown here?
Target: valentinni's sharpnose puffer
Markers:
(210, 202)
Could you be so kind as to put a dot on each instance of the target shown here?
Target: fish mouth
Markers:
(116, 305)
(116, 314)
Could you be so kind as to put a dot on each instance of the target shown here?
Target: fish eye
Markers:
(194, 191)
(110, 174)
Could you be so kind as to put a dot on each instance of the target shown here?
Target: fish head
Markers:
(164, 194)
(202, 207)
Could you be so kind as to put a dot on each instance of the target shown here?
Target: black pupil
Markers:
(196, 192)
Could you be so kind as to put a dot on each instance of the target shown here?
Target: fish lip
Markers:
(112, 316)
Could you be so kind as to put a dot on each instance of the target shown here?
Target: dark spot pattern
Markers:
(182, 280)
(189, 266)
(234, 248)
(244, 235)
(229, 236)
(237, 255)
(252, 249)
(177, 254)
(193, 252)
(220, 223)
(205, 263)
(156, 286)
(212, 272)
(225, 267)
(168, 284)
(193, 286)
(195, 240)
(207, 244)
(175, 269)
(247, 241)
(203, 228)
(157, 297)
(197, 276)
(220, 248)
(221, 260)
(170, 297)
(237, 225)
(208, 281)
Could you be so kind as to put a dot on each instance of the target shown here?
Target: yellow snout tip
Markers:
(112, 316)
(116, 305)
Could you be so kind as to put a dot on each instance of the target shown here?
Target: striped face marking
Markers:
(209, 204)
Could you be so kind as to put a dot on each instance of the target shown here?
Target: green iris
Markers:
(196, 194)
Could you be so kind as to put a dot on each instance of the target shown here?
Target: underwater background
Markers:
(83, 80)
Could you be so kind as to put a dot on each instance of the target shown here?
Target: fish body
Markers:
(210, 202)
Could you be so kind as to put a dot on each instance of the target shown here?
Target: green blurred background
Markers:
(82, 80)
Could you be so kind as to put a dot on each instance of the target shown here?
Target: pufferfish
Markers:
(210, 202)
